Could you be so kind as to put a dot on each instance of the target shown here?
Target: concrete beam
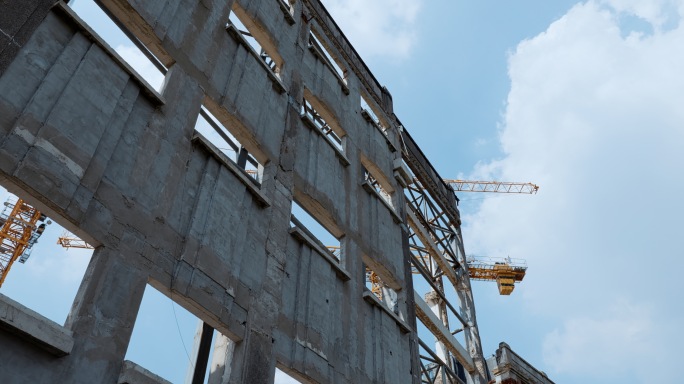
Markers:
(34, 328)
(132, 373)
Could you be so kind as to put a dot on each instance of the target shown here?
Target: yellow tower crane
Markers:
(69, 240)
(20, 227)
(505, 271)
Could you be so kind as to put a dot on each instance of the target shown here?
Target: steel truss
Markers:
(433, 370)
(437, 252)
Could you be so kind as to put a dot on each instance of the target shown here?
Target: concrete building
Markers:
(507, 367)
(295, 119)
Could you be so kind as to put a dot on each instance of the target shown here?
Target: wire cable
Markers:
(173, 308)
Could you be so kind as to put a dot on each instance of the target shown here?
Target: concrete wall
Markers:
(87, 141)
(507, 367)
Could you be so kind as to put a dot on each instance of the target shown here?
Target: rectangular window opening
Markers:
(288, 4)
(315, 43)
(271, 61)
(382, 291)
(303, 220)
(322, 125)
(34, 269)
(171, 342)
(283, 378)
(130, 48)
(369, 114)
(212, 129)
(378, 187)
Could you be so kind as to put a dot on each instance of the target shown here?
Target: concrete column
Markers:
(435, 302)
(222, 360)
(102, 318)
(200, 353)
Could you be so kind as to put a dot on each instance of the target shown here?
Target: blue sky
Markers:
(582, 98)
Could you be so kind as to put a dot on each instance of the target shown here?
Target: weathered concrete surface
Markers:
(83, 139)
(18, 20)
(34, 328)
(132, 373)
(507, 367)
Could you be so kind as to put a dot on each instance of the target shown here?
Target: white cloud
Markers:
(656, 12)
(378, 28)
(594, 117)
(605, 343)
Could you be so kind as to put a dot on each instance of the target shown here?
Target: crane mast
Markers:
(19, 231)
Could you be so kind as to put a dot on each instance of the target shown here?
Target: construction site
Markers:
(267, 186)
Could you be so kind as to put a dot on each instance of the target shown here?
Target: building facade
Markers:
(293, 118)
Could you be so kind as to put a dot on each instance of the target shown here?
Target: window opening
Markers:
(384, 293)
(34, 270)
(283, 378)
(335, 250)
(302, 219)
(129, 47)
(171, 342)
(369, 114)
(375, 184)
(247, 36)
(212, 129)
(322, 125)
(288, 4)
(324, 53)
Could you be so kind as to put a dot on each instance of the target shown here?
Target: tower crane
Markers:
(505, 271)
(492, 186)
(489, 186)
(20, 227)
(69, 240)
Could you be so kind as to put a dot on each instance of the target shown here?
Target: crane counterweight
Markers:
(505, 271)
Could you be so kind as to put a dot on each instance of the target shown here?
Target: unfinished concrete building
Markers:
(298, 120)
(507, 367)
